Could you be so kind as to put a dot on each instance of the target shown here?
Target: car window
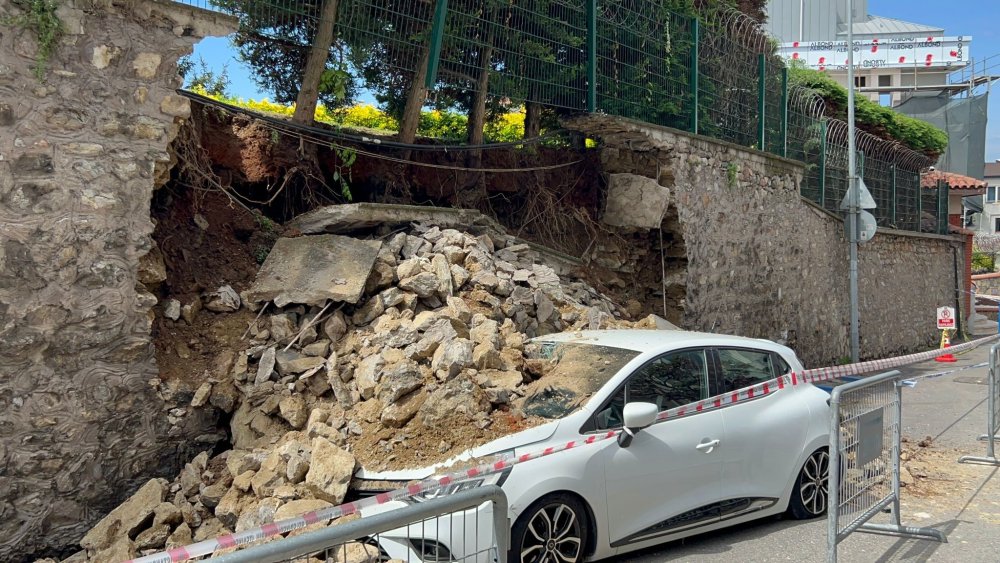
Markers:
(744, 368)
(672, 380)
(781, 367)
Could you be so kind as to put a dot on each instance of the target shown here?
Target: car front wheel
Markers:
(811, 493)
(552, 530)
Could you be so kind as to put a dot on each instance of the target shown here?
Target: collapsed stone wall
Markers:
(762, 261)
(80, 155)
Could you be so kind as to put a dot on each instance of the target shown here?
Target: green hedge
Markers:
(871, 117)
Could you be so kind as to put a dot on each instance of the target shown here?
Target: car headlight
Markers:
(464, 485)
(450, 489)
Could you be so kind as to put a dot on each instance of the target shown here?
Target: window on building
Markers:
(860, 81)
(885, 81)
(996, 225)
(991, 194)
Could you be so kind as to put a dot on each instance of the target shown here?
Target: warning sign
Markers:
(946, 317)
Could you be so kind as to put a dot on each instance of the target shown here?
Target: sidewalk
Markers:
(961, 500)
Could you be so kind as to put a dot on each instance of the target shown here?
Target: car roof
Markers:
(650, 340)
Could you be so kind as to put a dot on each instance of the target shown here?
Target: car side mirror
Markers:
(637, 416)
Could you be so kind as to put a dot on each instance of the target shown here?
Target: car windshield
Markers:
(568, 374)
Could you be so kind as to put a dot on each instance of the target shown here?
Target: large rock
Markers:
(271, 474)
(222, 300)
(442, 269)
(459, 397)
(294, 410)
(266, 366)
(367, 375)
(330, 471)
(452, 356)
(399, 380)
(301, 506)
(403, 410)
(126, 520)
(369, 311)
(295, 363)
(487, 331)
(424, 284)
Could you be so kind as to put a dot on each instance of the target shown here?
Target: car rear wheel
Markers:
(811, 492)
(552, 530)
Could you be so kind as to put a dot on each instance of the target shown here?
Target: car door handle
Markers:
(707, 447)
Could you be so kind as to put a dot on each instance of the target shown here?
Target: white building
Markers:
(989, 221)
(901, 58)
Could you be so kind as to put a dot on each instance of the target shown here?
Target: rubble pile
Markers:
(428, 361)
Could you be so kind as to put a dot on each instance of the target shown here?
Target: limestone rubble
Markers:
(427, 364)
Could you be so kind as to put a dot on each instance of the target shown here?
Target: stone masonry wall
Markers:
(763, 262)
(80, 154)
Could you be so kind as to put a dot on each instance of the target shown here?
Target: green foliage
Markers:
(346, 157)
(274, 39)
(39, 17)
(203, 78)
(260, 253)
(877, 120)
(265, 223)
(983, 262)
(732, 175)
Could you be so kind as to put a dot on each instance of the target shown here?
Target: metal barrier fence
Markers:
(992, 413)
(865, 444)
(709, 72)
(445, 528)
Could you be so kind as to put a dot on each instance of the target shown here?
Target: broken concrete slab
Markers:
(357, 216)
(314, 269)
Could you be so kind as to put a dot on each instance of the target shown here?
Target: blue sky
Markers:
(978, 18)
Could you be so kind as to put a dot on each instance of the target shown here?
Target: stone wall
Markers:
(763, 262)
(80, 155)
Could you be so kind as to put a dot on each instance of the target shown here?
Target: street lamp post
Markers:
(853, 195)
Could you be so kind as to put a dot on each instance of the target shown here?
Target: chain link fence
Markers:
(710, 72)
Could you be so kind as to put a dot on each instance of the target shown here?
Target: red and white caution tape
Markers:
(816, 375)
(245, 537)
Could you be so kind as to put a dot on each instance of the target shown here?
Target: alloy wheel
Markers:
(553, 535)
(813, 484)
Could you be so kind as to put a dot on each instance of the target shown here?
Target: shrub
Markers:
(873, 118)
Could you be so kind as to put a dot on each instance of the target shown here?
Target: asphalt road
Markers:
(964, 502)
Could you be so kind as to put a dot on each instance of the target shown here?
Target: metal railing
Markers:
(865, 443)
(992, 414)
(424, 531)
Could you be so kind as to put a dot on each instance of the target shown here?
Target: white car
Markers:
(676, 478)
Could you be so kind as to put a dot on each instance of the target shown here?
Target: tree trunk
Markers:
(305, 104)
(477, 113)
(532, 120)
(415, 99)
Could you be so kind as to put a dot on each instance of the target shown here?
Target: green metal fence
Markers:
(713, 73)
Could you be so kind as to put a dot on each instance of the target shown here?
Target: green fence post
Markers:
(784, 112)
(943, 207)
(437, 35)
(695, 40)
(920, 204)
(761, 102)
(892, 212)
(822, 163)
(591, 55)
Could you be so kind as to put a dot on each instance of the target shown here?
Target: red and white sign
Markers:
(909, 52)
(946, 317)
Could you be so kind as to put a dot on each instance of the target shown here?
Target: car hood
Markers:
(518, 440)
